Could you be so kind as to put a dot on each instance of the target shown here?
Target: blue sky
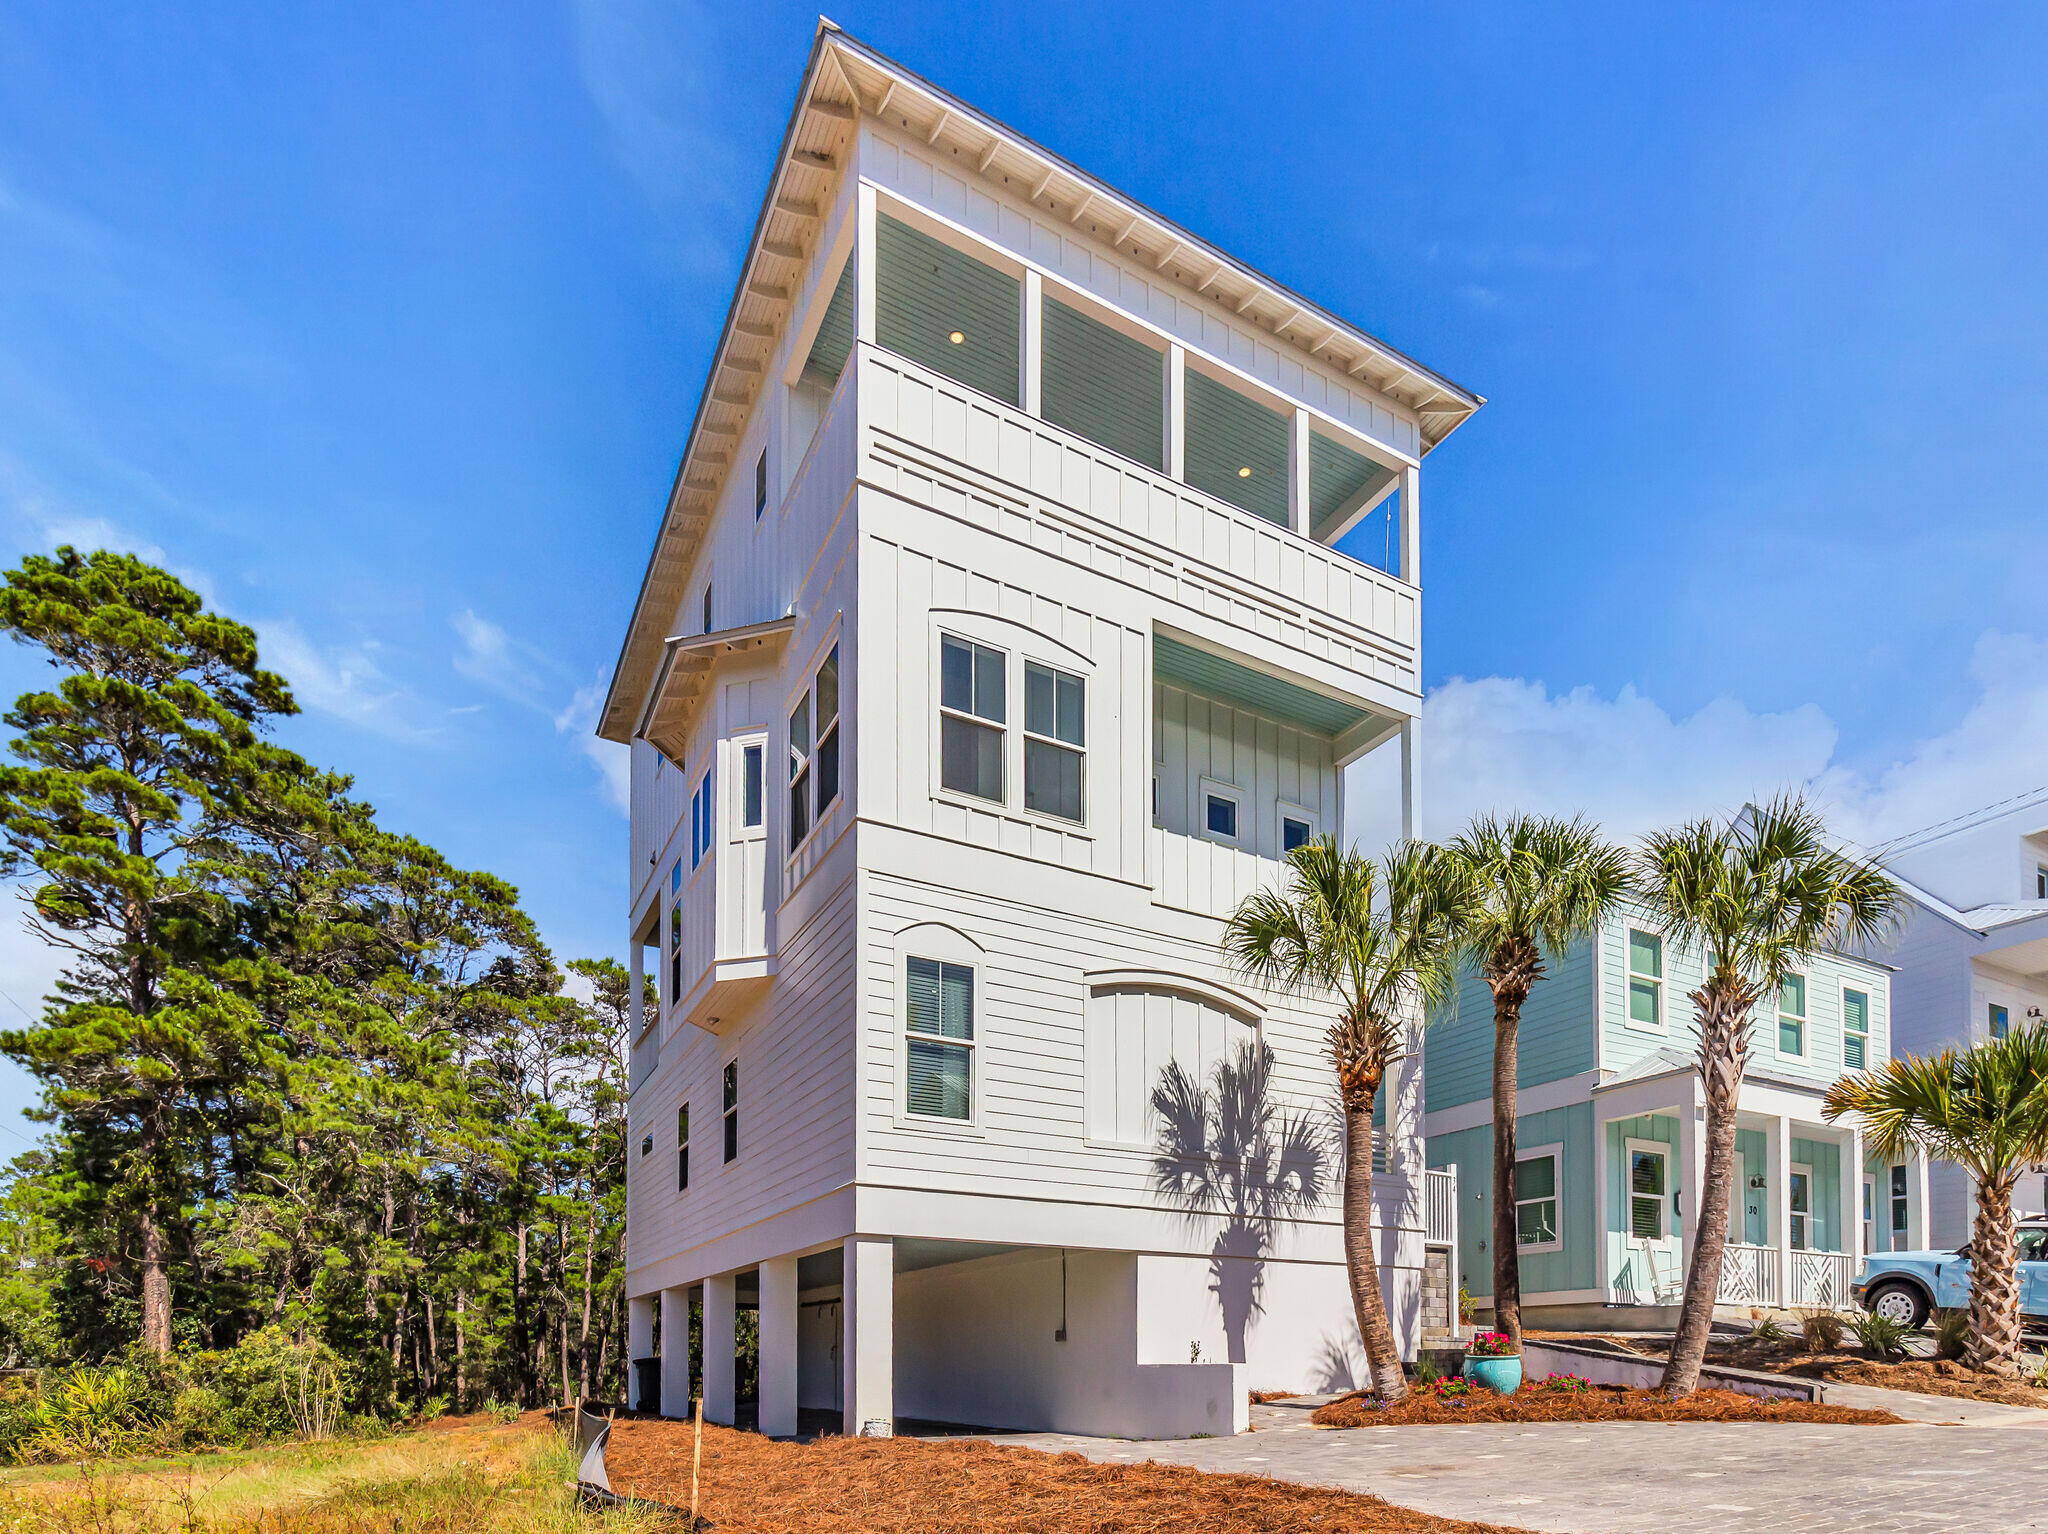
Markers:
(384, 324)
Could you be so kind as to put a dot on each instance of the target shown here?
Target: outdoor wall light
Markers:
(1756, 1180)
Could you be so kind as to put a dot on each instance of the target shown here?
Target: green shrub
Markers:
(1881, 1337)
(1951, 1333)
(87, 1414)
(1769, 1329)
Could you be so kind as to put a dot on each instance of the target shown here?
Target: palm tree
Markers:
(1380, 938)
(1538, 884)
(1757, 897)
(1987, 1110)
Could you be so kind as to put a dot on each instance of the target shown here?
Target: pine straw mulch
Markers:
(753, 1485)
(1926, 1376)
(1536, 1402)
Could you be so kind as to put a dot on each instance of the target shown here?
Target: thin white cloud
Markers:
(1499, 743)
(344, 681)
(614, 763)
(492, 658)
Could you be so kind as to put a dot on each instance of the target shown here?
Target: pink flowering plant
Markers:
(1491, 1345)
(1572, 1384)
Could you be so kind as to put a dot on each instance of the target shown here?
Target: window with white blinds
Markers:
(1101, 384)
(940, 307)
(939, 1043)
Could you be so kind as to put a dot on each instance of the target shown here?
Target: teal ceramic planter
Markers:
(1501, 1374)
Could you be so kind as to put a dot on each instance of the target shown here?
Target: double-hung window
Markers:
(1054, 738)
(730, 1088)
(939, 1044)
(972, 679)
(1998, 1021)
(701, 819)
(1645, 979)
(814, 750)
(1792, 1015)
(1536, 1202)
(1647, 1165)
(1855, 1029)
(683, 1148)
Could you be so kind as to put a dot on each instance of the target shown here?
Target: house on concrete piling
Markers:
(996, 641)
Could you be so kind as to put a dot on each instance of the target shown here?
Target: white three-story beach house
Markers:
(995, 643)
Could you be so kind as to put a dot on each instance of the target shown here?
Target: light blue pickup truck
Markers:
(1907, 1286)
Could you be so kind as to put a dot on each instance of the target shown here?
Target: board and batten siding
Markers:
(1556, 1039)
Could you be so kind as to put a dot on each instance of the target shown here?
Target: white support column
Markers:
(869, 1347)
(1176, 412)
(864, 265)
(639, 1345)
(1411, 526)
(1034, 340)
(1297, 472)
(1411, 793)
(675, 1353)
(1852, 1201)
(1918, 1237)
(778, 1347)
(720, 1349)
(1602, 1279)
(1780, 1205)
(1692, 1176)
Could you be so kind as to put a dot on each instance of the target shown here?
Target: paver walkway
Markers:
(1988, 1471)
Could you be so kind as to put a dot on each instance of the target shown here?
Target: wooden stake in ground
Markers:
(696, 1459)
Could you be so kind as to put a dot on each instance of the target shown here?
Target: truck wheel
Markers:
(1897, 1302)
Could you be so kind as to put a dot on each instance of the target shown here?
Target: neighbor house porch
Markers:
(1802, 1211)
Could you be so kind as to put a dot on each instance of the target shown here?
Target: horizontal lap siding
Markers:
(1032, 1032)
(1556, 1038)
(1470, 1151)
(797, 1060)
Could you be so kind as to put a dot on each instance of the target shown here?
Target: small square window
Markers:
(1294, 832)
(1222, 816)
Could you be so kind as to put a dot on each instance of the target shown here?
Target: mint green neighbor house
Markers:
(1612, 1136)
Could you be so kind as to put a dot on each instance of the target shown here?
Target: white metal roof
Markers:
(843, 79)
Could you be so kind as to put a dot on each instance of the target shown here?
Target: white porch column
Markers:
(1918, 1237)
(1034, 345)
(1780, 1204)
(1692, 1176)
(721, 1312)
(869, 1346)
(1852, 1201)
(778, 1347)
(1176, 412)
(1411, 793)
(1411, 526)
(675, 1353)
(1603, 1280)
(639, 1344)
(1297, 472)
(864, 264)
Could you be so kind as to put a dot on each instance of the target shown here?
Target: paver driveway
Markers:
(1988, 1472)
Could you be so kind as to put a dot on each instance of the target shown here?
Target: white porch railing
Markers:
(1440, 1207)
(1749, 1275)
(1821, 1280)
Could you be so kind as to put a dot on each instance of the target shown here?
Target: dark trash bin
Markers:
(647, 1371)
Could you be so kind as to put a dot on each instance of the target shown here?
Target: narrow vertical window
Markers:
(675, 933)
(1645, 979)
(732, 1109)
(939, 1018)
(1998, 1021)
(702, 819)
(683, 1148)
(1799, 1208)
(1855, 1029)
(1899, 1206)
(1054, 731)
(825, 698)
(972, 679)
(760, 484)
(2041, 882)
(750, 786)
(799, 771)
(1792, 1015)
(707, 607)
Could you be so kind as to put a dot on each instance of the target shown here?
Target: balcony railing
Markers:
(1753, 1275)
(1749, 1275)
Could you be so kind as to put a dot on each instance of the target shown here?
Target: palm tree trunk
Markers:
(1994, 1281)
(1361, 1259)
(1507, 1262)
(1710, 1229)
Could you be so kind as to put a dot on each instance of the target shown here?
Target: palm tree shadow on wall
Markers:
(1226, 1154)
